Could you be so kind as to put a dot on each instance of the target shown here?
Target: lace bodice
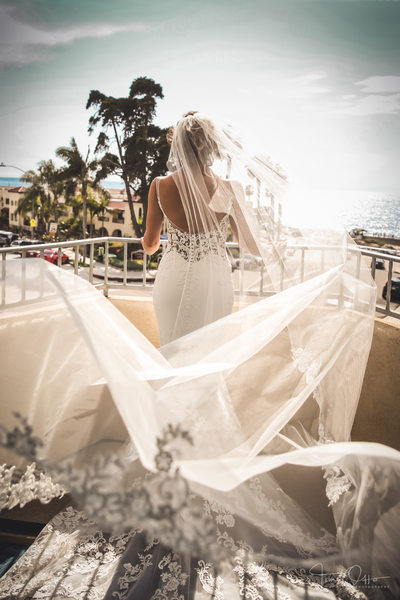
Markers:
(194, 247)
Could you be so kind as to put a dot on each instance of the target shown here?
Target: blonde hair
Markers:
(199, 132)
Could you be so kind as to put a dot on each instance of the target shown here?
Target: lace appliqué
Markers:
(306, 363)
(194, 247)
(302, 542)
(172, 578)
(211, 583)
(222, 516)
(131, 575)
(337, 483)
(256, 582)
(33, 484)
(159, 502)
(70, 558)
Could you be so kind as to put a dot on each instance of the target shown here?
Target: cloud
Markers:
(376, 95)
(300, 88)
(372, 104)
(307, 84)
(23, 43)
(380, 84)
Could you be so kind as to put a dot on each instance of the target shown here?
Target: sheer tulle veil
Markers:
(234, 440)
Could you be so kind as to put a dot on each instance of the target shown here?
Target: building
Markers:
(115, 221)
(9, 198)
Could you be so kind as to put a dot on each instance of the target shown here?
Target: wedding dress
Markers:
(194, 281)
(219, 466)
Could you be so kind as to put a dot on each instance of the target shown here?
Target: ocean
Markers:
(377, 213)
(15, 182)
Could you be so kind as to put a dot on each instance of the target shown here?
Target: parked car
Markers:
(6, 237)
(21, 242)
(249, 262)
(388, 251)
(395, 292)
(379, 263)
(51, 256)
(137, 255)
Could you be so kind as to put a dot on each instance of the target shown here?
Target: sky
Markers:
(315, 84)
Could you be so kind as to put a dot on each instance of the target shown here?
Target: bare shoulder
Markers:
(167, 184)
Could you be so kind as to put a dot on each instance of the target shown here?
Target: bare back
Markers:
(172, 206)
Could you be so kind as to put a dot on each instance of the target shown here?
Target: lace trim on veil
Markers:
(17, 489)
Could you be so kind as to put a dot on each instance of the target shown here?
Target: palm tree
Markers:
(56, 187)
(32, 198)
(97, 203)
(42, 196)
(81, 170)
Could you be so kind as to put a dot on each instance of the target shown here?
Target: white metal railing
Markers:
(145, 278)
(107, 280)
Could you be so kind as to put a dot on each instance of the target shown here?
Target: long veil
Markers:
(231, 442)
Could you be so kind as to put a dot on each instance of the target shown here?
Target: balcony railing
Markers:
(145, 278)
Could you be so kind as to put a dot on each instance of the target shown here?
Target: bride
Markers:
(194, 284)
(219, 466)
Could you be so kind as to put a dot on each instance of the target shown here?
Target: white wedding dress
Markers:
(221, 465)
(193, 285)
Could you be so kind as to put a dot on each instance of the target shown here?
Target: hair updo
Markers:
(200, 133)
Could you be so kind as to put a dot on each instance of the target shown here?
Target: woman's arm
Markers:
(151, 239)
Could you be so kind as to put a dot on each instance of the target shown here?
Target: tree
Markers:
(41, 197)
(97, 203)
(32, 198)
(82, 171)
(56, 187)
(4, 217)
(141, 147)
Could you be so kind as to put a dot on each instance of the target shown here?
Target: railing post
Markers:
(3, 277)
(125, 277)
(358, 270)
(262, 279)
(358, 267)
(105, 288)
(91, 262)
(144, 269)
(282, 277)
(23, 276)
(389, 285)
(241, 270)
(373, 267)
(76, 263)
(41, 288)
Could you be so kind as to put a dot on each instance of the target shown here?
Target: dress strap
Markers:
(158, 193)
